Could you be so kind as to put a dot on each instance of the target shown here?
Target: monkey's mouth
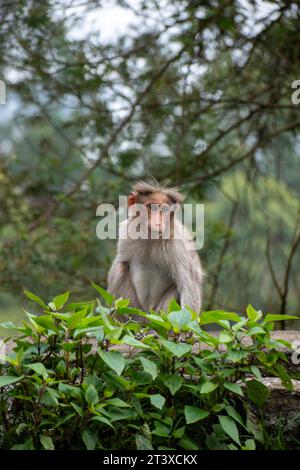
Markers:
(152, 233)
(159, 234)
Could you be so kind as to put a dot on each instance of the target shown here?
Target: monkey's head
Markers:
(155, 206)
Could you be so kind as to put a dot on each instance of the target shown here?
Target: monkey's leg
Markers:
(120, 284)
(170, 293)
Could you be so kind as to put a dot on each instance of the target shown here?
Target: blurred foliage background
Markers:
(196, 93)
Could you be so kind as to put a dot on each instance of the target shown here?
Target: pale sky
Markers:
(112, 21)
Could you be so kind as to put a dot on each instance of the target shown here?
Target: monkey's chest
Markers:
(150, 281)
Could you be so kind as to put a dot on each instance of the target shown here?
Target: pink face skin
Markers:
(158, 207)
(158, 217)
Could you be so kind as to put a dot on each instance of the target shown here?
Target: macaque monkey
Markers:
(153, 269)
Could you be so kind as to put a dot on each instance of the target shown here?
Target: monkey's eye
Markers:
(165, 208)
(153, 207)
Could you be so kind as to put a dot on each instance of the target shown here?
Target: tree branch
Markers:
(120, 127)
(249, 153)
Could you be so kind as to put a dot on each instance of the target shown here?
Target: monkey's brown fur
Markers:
(151, 272)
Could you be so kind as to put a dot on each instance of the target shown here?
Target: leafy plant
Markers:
(78, 377)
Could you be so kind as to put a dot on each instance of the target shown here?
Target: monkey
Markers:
(151, 270)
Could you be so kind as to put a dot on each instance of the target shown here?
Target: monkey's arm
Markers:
(171, 293)
(120, 284)
(188, 274)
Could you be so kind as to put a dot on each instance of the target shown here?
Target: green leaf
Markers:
(9, 379)
(157, 400)
(235, 355)
(27, 445)
(173, 382)
(49, 397)
(255, 330)
(142, 442)
(109, 298)
(69, 390)
(232, 447)
(69, 346)
(20, 428)
(208, 387)
(179, 432)
(131, 311)
(60, 316)
(254, 426)
(214, 316)
(114, 360)
(208, 339)
(104, 316)
(253, 314)
(149, 367)
(103, 420)
(238, 326)
(11, 326)
(272, 318)
(39, 369)
(257, 392)
(46, 321)
(218, 407)
(234, 415)
(61, 300)
(122, 303)
(161, 430)
(249, 445)
(255, 371)
(131, 341)
(78, 409)
(173, 306)
(90, 439)
(193, 414)
(284, 377)
(118, 414)
(180, 319)
(235, 388)
(156, 320)
(95, 331)
(63, 420)
(178, 349)
(188, 444)
(36, 299)
(115, 334)
(75, 319)
(225, 337)
(75, 306)
(230, 428)
(47, 442)
(91, 395)
(118, 402)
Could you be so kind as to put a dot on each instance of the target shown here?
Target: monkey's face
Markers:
(156, 212)
(159, 218)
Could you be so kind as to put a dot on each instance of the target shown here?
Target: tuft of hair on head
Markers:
(151, 186)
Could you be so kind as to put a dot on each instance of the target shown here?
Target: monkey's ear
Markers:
(131, 199)
(175, 207)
